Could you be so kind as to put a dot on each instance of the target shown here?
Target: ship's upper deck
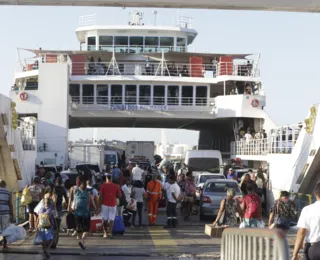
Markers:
(135, 37)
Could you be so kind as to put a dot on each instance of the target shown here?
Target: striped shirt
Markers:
(4, 201)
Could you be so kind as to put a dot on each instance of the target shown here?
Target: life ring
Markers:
(255, 103)
(23, 96)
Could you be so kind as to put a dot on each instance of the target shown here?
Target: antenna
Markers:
(155, 12)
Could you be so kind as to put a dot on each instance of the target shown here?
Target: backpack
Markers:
(81, 202)
(44, 221)
(190, 189)
(253, 205)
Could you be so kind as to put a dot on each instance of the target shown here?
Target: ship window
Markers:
(181, 44)
(91, 43)
(31, 84)
(136, 41)
(201, 95)
(151, 44)
(173, 95)
(87, 94)
(158, 95)
(121, 41)
(167, 42)
(187, 95)
(144, 94)
(102, 94)
(131, 94)
(74, 91)
(106, 40)
(116, 94)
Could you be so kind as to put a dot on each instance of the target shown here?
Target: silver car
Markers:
(213, 192)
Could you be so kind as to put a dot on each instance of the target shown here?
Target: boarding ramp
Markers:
(254, 244)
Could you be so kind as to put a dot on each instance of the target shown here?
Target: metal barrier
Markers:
(20, 211)
(254, 244)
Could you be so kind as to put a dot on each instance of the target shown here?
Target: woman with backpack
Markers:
(46, 225)
(82, 202)
(282, 212)
(190, 194)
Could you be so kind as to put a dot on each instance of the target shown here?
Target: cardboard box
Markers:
(213, 230)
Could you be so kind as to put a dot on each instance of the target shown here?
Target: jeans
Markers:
(172, 214)
(139, 210)
(250, 223)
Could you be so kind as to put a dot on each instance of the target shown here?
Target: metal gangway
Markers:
(254, 244)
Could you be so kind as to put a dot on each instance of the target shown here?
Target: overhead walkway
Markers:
(267, 5)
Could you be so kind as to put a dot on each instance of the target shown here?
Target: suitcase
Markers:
(162, 203)
(96, 224)
(118, 227)
(71, 221)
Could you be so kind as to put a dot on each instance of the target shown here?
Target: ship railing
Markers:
(171, 69)
(29, 64)
(142, 100)
(279, 141)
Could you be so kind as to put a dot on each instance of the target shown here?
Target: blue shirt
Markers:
(230, 176)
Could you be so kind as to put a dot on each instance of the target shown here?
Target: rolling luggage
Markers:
(118, 227)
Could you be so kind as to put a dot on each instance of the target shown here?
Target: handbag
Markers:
(221, 219)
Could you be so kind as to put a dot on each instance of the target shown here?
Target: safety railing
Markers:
(254, 244)
(172, 69)
(279, 141)
(134, 100)
(20, 211)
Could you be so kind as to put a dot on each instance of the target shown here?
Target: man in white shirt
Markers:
(309, 230)
(137, 173)
(173, 196)
(248, 136)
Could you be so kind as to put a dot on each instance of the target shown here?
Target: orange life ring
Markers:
(255, 103)
(23, 96)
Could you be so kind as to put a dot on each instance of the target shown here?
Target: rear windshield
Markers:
(204, 178)
(221, 187)
(110, 159)
(204, 164)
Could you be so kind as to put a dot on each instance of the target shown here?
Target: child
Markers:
(138, 193)
(46, 224)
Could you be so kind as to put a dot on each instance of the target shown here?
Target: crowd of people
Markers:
(127, 191)
(124, 192)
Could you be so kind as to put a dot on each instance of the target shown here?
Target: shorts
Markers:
(32, 206)
(83, 224)
(4, 222)
(189, 199)
(108, 213)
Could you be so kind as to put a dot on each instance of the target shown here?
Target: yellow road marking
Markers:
(162, 240)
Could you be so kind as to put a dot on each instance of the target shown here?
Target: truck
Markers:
(92, 154)
(86, 153)
(140, 148)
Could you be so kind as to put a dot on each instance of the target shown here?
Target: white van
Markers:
(204, 161)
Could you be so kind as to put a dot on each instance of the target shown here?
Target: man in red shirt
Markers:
(109, 192)
(251, 207)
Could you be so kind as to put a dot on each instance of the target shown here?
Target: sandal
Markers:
(82, 245)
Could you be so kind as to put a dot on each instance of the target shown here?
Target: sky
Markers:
(289, 44)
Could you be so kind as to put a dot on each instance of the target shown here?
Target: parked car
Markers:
(201, 179)
(213, 191)
(69, 178)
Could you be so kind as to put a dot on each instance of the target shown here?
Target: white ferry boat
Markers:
(147, 76)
